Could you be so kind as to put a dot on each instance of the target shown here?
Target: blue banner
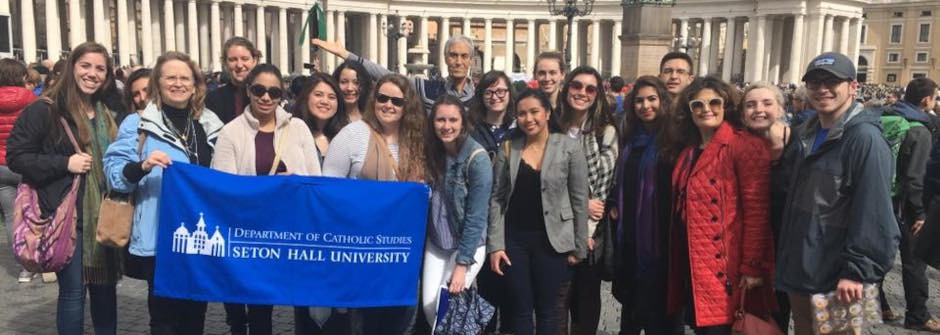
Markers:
(289, 240)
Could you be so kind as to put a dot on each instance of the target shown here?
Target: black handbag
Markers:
(467, 314)
(603, 254)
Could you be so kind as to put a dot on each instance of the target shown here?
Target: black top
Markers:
(525, 204)
(222, 101)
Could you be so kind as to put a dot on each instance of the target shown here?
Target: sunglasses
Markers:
(698, 105)
(577, 86)
(259, 90)
(382, 98)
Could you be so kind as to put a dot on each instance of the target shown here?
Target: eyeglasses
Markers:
(699, 105)
(498, 92)
(816, 83)
(382, 98)
(577, 86)
(259, 90)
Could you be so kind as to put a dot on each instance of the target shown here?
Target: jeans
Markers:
(535, 279)
(8, 182)
(170, 316)
(249, 319)
(70, 310)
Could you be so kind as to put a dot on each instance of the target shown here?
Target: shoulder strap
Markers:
(466, 170)
(278, 149)
(68, 131)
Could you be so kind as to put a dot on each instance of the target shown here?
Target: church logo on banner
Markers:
(198, 242)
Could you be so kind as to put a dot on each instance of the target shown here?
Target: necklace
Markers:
(187, 138)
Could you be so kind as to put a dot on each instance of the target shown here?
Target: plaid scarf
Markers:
(601, 154)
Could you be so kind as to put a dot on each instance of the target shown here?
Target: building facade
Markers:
(899, 42)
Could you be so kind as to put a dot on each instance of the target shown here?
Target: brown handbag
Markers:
(116, 213)
(749, 324)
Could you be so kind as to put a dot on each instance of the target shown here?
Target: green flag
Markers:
(314, 15)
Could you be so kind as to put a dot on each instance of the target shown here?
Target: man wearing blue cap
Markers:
(838, 228)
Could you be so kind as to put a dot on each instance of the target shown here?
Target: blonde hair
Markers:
(778, 95)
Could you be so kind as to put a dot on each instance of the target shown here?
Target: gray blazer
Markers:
(564, 180)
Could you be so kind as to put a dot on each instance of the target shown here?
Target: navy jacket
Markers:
(838, 221)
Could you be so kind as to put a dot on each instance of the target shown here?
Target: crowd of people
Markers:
(698, 199)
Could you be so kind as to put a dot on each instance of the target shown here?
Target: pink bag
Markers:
(45, 244)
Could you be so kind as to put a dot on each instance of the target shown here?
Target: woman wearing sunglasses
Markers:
(720, 238)
(355, 85)
(538, 215)
(319, 106)
(263, 140)
(387, 144)
(642, 192)
(176, 127)
(584, 114)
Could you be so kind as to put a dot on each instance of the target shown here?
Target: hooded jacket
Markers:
(12, 101)
(912, 161)
(838, 221)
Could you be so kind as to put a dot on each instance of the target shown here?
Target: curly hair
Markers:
(410, 131)
(684, 131)
(364, 78)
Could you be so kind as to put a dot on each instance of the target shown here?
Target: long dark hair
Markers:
(478, 106)
(365, 82)
(632, 123)
(411, 129)
(434, 151)
(598, 114)
(129, 105)
(69, 98)
(302, 108)
(684, 131)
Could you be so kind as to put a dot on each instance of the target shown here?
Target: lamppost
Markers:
(569, 9)
(396, 32)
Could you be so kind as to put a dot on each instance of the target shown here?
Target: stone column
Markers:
(132, 39)
(443, 36)
(596, 44)
(466, 31)
(530, 45)
(705, 50)
(796, 63)
(615, 49)
(215, 36)
(777, 49)
(29, 35)
(102, 24)
(76, 29)
(423, 39)
(855, 36)
(282, 36)
(488, 45)
(330, 30)
(755, 51)
(169, 26)
(575, 52)
(228, 23)
(383, 42)
(373, 37)
(194, 33)
(304, 48)
(714, 51)
(844, 37)
(728, 62)
(552, 36)
(402, 48)
(250, 32)
(683, 34)
(827, 29)
(180, 19)
(239, 20)
(814, 36)
(510, 45)
(340, 28)
(53, 35)
(205, 51)
(146, 34)
(262, 43)
(739, 59)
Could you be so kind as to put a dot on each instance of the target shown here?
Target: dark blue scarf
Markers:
(646, 230)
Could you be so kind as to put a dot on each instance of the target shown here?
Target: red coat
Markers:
(726, 210)
(12, 101)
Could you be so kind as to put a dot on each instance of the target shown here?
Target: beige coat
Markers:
(235, 149)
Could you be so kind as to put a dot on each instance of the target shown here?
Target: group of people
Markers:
(689, 194)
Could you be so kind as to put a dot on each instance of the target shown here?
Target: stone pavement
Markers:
(29, 309)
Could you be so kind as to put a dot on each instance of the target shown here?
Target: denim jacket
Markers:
(467, 192)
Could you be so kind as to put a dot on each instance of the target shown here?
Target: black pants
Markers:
(585, 299)
(337, 324)
(782, 315)
(492, 287)
(170, 316)
(393, 320)
(659, 325)
(249, 319)
(535, 279)
(914, 278)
